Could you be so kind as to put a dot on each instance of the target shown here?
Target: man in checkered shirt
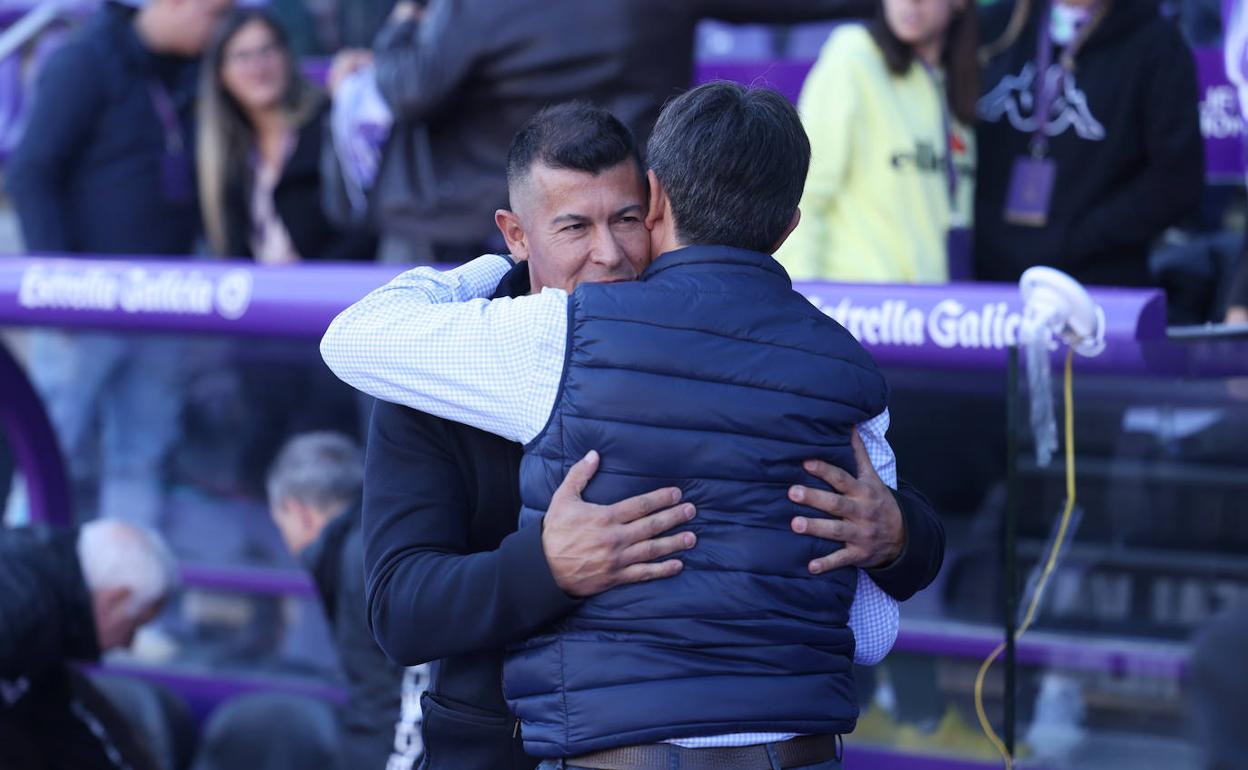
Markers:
(431, 341)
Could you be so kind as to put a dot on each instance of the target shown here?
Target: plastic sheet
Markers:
(1036, 363)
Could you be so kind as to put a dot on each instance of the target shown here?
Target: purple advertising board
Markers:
(953, 326)
(1221, 119)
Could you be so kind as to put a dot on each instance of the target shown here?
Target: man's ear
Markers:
(797, 217)
(513, 232)
(658, 200)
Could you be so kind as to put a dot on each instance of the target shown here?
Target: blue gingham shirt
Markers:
(435, 342)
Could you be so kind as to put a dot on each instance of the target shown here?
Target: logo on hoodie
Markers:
(1014, 98)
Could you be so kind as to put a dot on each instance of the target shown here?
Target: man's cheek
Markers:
(639, 251)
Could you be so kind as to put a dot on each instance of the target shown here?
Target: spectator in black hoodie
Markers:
(1237, 295)
(1122, 136)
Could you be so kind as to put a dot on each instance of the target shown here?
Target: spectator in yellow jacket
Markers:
(889, 108)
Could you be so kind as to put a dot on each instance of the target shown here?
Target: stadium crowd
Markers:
(938, 141)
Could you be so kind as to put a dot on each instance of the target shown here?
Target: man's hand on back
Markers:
(592, 548)
(866, 517)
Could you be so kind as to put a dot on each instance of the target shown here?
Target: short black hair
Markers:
(576, 136)
(733, 161)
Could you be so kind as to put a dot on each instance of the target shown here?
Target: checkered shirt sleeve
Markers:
(435, 342)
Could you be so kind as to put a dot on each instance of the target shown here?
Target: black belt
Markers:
(796, 752)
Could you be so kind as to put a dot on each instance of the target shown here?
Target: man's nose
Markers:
(607, 250)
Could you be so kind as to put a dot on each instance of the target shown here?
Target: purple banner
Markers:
(955, 326)
(973, 325)
(233, 298)
(1221, 118)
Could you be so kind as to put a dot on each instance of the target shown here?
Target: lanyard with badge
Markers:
(175, 165)
(958, 239)
(1032, 178)
(946, 127)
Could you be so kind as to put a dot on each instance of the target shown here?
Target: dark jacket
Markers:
(51, 717)
(88, 175)
(464, 80)
(367, 719)
(297, 199)
(762, 381)
(1129, 157)
(45, 609)
(449, 577)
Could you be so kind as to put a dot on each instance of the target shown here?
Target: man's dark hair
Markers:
(733, 161)
(576, 136)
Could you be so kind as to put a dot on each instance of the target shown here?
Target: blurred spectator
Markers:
(314, 494)
(103, 168)
(260, 135)
(1219, 678)
(159, 716)
(319, 27)
(888, 108)
(306, 25)
(1201, 21)
(1118, 156)
(271, 731)
(359, 21)
(1237, 300)
(7, 467)
(69, 597)
(462, 76)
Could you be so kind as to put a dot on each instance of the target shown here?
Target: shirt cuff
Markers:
(545, 601)
(479, 278)
(887, 576)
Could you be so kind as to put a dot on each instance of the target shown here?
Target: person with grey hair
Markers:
(314, 489)
(71, 596)
(130, 572)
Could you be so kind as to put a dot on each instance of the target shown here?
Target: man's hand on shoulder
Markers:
(865, 515)
(592, 548)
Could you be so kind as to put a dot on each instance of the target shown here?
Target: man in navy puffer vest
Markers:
(712, 375)
(687, 377)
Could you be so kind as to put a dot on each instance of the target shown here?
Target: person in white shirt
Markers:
(433, 342)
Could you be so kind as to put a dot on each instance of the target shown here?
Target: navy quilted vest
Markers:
(711, 374)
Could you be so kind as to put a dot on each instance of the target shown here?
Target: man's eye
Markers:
(576, 228)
